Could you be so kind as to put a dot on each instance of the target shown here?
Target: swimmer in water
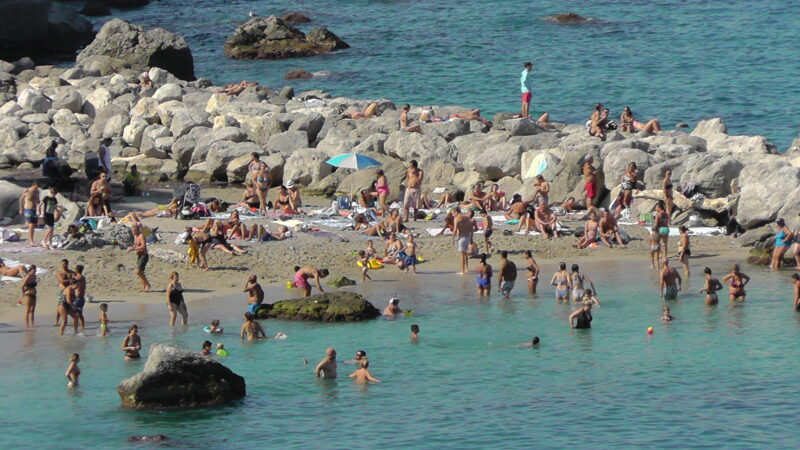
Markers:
(393, 309)
(362, 374)
(666, 316)
(561, 281)
(132, 344)
(415, 328)
(327, 367)
(534, 343)
(588, 297)
(206, 348)
(712, 286)
(215, 328)
(221, 350)
(73, 371)
(251, 329)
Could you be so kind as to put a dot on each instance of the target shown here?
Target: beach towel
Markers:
(537, 167)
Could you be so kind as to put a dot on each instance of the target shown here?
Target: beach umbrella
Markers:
(353, 161)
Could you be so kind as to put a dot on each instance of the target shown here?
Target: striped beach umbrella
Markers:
(354, 161)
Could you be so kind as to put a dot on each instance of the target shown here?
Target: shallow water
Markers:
(675, 60)
(719, 376)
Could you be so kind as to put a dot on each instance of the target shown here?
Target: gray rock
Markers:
(272, 38)
(288, 141)
(372, 144)
(184, 119)
(185, 145)
(306, 166)
(469, 148)
(522, 127)
(138, 49)
(147, 109)
(424, 149)
(542, 141)
(223, 152)
(115, 126)
(167, 92)
(102, 117)
(41, 28)
(96, 101)
(711, 172)
(178, 379)
(528, 172)
(768, 190)
(205, 140)
(167, 109)
(499, 161)
(67, 97)
(34, 101)
(310, 123)
(35, 118)
(616, 163)
(448, 130)
(133, 132)
(287, 92)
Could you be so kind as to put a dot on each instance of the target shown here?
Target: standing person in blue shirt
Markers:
(525, 83)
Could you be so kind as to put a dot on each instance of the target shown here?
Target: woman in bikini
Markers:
(712, 286)
(576, 281)
(392, 250)
(596, 122)
(736, 281)
(630, 124)
(394, 222)
(96, 207)
(250, 197)
(29, 295)
(533, 272)
(132, 344)
(381, 191)
(371, 110)
(218, 240)
(484, 279)
(237, 230)
(628, 184)
(204, 241)
(283, 201)
(168, 210)
(261, 183)
(590, 232)
(497, 198)
(684, 250)
(783, 240)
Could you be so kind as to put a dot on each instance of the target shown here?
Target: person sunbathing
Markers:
(236, 89)
(475, 114)
(262, 234)
(96, 207)
(372, 110)
(236, 229)
(404, 122)
(169, 210)
(630, 124)
(16, 272)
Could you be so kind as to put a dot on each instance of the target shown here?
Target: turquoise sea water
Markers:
(716, 377)
(676, 60)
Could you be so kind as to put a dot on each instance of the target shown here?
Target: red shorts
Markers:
(590, 190)
(526, 97)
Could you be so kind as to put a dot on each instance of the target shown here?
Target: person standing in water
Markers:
(255, 293)
(362, 374)
(737, 281)
(175, 301)
(415, 332)
(796, 283)
(684, 252)
(561, 281)
(462, 236)
(670, 281)
(142, 257)
(132, 344)
(80, 294)
(583, 316)
(327, 367)
(508, 275)
(29, 296)
(73, 371)
(577, 279)
(533, 272)
(783, 241)
(251, 329)
(711, 287)
(662, 225)
(28, 202)
(526, 85)
(484, 278)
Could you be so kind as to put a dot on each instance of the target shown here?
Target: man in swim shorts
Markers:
(525, 83)
(508, 274)
(327, 367)
(462, 236)
(140, 247)
(79, 281)
(64, 278)
(414, 177)
(562, 283)
(28, 202)
(256, 294)
(670, 281)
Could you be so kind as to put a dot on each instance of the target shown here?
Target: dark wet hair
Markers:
(575, 268)
(504, 254)
(528, 65)
(79, 268)
(535, 340)
(483, 258)
(324, 273)
(415, 327)
(406, 107)
(248, 316)
(361, 353)
(206, 344)
(414, 163)
(707, 271)
(528, 253)
(795, 276)
(683, 229)
(562, 265)
(215, 322)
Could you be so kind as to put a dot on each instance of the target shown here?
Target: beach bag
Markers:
(343, 202)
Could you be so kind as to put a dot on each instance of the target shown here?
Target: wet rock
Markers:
(326, 307)
(179, 379)
(298, 74)
(273, 38)
(149, 438)
(569, 18)
(296, 17)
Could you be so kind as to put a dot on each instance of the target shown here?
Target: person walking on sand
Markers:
(711, 287)
(414, 176)
(327, 367)
(255, 293)
(411, 255)
(50, 213)
(508, 275)
(28, 202)
(301, 277)
(526, 84)
(175, 301)
(140, 247)
(671, 281)
(662, 225)
(462, 236)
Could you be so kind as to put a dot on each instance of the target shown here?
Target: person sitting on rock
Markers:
(372, 110)
(144, 81)
(404, 122)
(597, 123)
(132, 184)
(631, 125)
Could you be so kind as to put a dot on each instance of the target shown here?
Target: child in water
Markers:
(666, 316)
(221, 350)
(364, 261)
(206, 348)
(215, 328)
(589, 298)
(73, 371)
(362, 374)
(104, 320)
(655, 249)
(414, 332)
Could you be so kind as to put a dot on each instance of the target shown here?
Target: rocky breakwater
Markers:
(178, 379)
(273, 38)
(326, 307)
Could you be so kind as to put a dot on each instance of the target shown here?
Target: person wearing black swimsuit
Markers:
(175, 300)
(584, 316)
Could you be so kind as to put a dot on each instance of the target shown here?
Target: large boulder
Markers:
(184, 119)
(306, 166)
(715, 132)
(712, 173)
(272, 38)
(531, 166)
(424, 149)
(616, 163)
(33, 100)
(138, 49)
(768, 190)
(522, 127)
(221, 153)
(179, 379)
(288, 141)
(41, 28)
(326, 307)
(499, 161)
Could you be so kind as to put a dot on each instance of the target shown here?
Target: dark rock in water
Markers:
(569, 18)
(41, 28)
(179, 379)
(149, 438)
(326, 307)
(296, 17)
(130, 46)
(340, 282)
(298, 74)
(681, 125)
(273, 38)
(96, 8)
